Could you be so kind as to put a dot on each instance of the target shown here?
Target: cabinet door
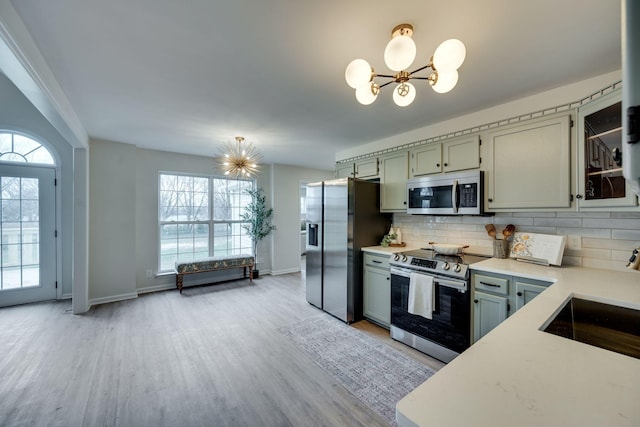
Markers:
(488, 312)
(600, 180)
(461, 153)
(344, 170)
(426, 160)
(394, 172)
(367, 168)
(377, 295)
(525, 292)
(529, 165)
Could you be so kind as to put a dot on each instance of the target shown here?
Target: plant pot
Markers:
(255, 274)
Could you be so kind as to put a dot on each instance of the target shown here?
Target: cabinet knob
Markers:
(387, 278)
(475, 300)
(446, 164)
(578, 196)
(519, 294)
(490, 200)
(438, 165)
(404, 203)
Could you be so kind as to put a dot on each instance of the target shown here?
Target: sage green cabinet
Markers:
(489, 311)
(528, 165)
(526, 290)
(377, 289)
(345, 170)
(394, 173)
(367, 168)
(497, 296)
(452, 155)
(600, 182)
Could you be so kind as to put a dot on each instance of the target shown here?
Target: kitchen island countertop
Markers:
(520, 375)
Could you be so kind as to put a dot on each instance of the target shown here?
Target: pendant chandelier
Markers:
(399, 55)
(239, 159)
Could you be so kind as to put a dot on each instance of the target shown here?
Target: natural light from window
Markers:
(22, 149)
(199, 216)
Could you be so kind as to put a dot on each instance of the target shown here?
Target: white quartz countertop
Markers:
(518, 375)
(381, 250)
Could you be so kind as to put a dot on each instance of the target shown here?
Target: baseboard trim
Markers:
(287, 271)
(113, 298)
(155, 288)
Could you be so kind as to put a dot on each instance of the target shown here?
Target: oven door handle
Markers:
(437, 280)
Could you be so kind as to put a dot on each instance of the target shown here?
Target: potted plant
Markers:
(258, 220)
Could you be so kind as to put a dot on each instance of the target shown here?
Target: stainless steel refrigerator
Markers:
(343, 216)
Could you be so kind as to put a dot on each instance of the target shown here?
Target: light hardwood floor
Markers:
(210, 357)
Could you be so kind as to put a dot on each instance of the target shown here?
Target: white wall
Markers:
(112, 222)
(286, 206)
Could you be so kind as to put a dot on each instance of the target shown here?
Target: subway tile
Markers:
(572, 260)
(533, 229)
(626, 223)
(535, 214)
(590, 253)
(620, 255)
(604, 264)
(462, 227)
(557, 222)
(617, 215)
(584, 215)
(585, 232)
(623, 245)
(626, 234)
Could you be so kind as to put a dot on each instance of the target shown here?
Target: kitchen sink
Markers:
(602, 325)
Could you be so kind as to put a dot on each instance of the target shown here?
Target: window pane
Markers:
(19, 148)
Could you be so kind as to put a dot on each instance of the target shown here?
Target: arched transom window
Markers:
(22, 149)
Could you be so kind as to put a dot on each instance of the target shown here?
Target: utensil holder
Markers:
(500, 248)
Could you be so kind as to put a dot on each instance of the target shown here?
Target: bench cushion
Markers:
(214, 263)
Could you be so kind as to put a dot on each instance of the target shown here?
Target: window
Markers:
(22, 149)
(199, 216)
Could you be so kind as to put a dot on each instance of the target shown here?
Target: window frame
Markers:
(210, 222)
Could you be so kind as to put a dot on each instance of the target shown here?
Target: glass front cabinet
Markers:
(600, 180)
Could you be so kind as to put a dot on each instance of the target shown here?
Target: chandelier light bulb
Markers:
(449, 56)
(445, 81)
(404, 94)
(358, 72)
(367, 93)
(400, 53)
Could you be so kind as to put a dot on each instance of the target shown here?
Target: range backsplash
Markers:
(606, 238)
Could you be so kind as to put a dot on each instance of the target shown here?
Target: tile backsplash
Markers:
(606, 239)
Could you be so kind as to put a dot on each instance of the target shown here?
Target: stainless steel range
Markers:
(445, 331)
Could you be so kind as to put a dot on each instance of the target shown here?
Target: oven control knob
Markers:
(445, 266)
(404, 258)
(396, 257)
(457, 268)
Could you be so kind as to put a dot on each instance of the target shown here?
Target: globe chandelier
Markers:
(239, 159)
(398, 56)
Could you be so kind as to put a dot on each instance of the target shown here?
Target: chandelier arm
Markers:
(419, 78)
(386, 84)
(386, 75)
(420, 69)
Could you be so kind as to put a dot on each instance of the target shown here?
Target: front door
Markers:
(27, 235)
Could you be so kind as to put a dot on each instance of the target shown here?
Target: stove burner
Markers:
(429, 261)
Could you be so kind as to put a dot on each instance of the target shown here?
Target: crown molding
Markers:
(22, 62)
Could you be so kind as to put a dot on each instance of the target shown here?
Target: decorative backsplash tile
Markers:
(606, 238)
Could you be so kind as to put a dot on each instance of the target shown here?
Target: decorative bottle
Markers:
(398, 236)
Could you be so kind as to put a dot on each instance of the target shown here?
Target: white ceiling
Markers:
(185, 76)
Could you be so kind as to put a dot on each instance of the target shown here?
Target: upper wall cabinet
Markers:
(600, 180)
(394, 172)
(452, 155)
(345, 170)
(529, 165)
(364, 168)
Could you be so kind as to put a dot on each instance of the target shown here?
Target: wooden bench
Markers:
(214, 264)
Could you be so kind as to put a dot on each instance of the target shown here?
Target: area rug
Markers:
(374, 372)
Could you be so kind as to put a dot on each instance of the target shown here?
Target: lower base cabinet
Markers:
(377, 289)
(497, 296)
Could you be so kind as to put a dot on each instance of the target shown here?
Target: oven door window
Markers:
(451, 323)
(431, 197)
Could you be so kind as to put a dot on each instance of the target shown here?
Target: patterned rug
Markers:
(374, 372)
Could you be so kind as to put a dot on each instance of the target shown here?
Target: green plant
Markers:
(258, 217)
(387, 239)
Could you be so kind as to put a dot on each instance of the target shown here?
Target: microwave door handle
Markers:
(454, 196)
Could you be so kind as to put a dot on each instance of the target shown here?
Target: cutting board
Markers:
(538, 248)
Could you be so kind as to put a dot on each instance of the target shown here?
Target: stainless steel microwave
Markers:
(446, 194)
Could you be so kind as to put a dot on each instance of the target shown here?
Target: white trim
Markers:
(286, 271)
(22, 62)
(113, 298)
(156, 288)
